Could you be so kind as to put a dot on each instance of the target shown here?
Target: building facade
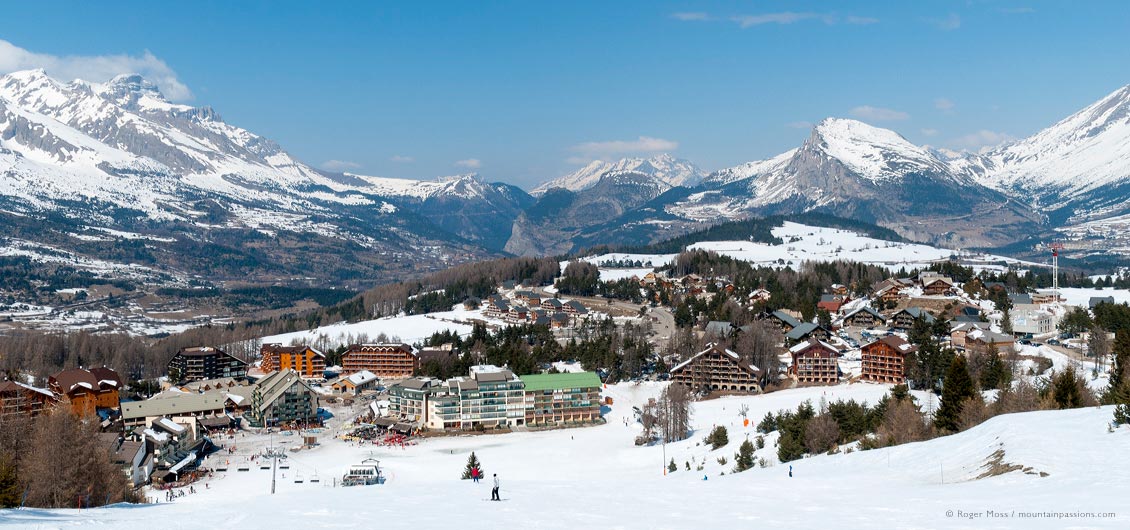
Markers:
(204, 362)
(884, 361)
(86, 391)
(307, 361)
(717, 368)
(392, 361)
(282, 398)
(18, 399)
(561, 399)
(815, 361)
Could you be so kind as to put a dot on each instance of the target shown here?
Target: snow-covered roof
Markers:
(362, 377)
(170, 425)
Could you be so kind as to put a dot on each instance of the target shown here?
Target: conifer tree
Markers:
(743, 460)
(957, 388)
(671, 468)
(472, 463)
(1118, 391)
(9, 483)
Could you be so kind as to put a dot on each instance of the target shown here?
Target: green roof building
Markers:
(562, 399)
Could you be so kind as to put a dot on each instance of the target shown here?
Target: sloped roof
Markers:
(802, 330)
(172, 405)
(275, 384)
(786, 318)
(726, 352)
(894, 341)
(866, 309)
(812, 343)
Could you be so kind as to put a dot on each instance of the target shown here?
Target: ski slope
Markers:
(595, 477)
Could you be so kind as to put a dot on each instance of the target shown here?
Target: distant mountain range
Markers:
(113, 172)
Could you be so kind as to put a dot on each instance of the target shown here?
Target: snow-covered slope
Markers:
(1068, 475)
(666, 170)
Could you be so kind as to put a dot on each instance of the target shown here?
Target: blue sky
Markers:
(525, 91)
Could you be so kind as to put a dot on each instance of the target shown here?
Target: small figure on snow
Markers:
(790, 470)
(494, 492)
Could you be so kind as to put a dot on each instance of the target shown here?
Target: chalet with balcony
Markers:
(18, 399)
(391, 361)
(864, 317)
(717, 369)
(884, 361)
(87, 391)
(904, 320)
(815, 361)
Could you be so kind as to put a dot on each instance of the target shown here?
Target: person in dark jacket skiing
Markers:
(494, 492)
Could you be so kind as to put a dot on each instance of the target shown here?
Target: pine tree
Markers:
(472, 463)
(671, 468)
(1118, 391)
(995, 374)
(1065, 390)
(9, 484)
(743, 460)
(718, 437)
(957, 388)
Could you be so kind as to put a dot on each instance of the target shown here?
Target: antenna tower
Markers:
(1056, 246)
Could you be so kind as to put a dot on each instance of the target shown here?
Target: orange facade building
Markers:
(86, 391)
(305, 360)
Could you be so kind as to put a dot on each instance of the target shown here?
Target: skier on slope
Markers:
(494, 492)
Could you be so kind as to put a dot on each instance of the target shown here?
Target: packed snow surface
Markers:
(595, 477)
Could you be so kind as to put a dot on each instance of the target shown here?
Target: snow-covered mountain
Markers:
(1079, 167)
(119, 156)
(666, 170)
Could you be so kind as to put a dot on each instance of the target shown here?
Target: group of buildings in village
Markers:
(813, 351)
(490, 397)
(528, 307)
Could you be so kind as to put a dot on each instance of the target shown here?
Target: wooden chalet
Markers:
(884, 361)
(891, 290)
(815, 361)
(864, 317)
(307, 361)
(831, 302)
(717, 368)
(783, 320)
(904, 320)
(805, 331)
(86, 391)
(983, 341)
(385, 360)
(552, 305)
(18, 399)
(574, 307)
(937, 285)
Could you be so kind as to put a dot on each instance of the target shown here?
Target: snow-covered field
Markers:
(810, 243)
(595, 477)
(1078, 296)
(408, 329)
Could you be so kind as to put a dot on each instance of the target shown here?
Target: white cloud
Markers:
(643, 144)
(339, 165)
(867, 112)
(401, 159)
(943, 104)
(981, 140)
(470, 163)
(787, 17)
(799, 125)
(949, 23)
(690, 17)
(95, 68)
(862, 21)
(930, 132)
